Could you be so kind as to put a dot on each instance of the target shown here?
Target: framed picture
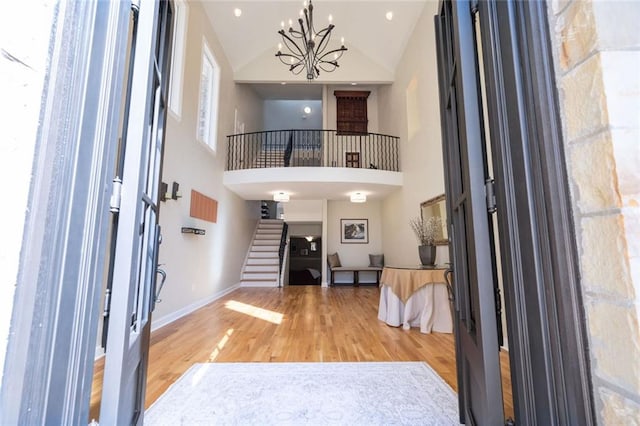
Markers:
(436, 207)
(354, 231)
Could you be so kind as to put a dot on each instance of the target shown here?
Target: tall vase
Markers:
(427, 255)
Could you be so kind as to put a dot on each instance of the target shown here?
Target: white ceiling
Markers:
(361, 22)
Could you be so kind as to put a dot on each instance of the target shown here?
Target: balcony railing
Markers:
(312, 148)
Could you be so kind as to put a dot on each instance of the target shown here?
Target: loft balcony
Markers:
(312, 148)
(312, 164)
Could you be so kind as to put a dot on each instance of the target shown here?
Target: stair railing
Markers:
(312, 148)
(281, 251)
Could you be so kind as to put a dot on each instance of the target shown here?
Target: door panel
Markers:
(479, 386)
(137, 233)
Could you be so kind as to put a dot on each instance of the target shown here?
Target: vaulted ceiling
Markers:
(375, 43)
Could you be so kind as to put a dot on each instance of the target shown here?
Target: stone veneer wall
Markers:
(597, 62)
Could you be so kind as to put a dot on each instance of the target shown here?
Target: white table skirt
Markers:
(427, 308)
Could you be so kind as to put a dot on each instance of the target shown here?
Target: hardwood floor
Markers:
(294, 324)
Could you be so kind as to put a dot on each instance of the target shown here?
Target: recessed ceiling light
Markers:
(307, 110)
(358, 197)
(283, 83)
(354, 84)
(389, 16)
(281, 197)
(237, 11)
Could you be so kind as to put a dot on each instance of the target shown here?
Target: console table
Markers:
(414, 296)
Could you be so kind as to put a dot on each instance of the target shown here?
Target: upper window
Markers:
(208, 105)
(177, 60)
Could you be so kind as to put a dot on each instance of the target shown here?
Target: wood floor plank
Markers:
(293, 324)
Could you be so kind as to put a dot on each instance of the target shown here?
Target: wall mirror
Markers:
(436, 207)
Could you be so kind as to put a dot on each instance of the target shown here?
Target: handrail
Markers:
(283, 243)
(312, 148)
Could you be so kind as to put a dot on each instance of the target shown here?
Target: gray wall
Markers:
(287, 114)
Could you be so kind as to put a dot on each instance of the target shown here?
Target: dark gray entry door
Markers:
(135, 207)
(471, 235)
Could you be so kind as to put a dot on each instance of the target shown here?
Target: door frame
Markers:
(548, 349)
(471, 233)
(51, 349)
(136, 230)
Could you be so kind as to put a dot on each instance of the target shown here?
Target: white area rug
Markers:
(355, 393)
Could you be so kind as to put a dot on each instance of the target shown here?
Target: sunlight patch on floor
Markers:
(254, 311)
(220, 345)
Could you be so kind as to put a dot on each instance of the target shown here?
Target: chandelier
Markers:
(308, 47)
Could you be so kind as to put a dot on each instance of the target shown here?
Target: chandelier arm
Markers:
(296, 34)
(286, 55)
(288, 42)
(304, 33)
(325, 30)
(309, 17)
(340, 51)
(293, 33)
(322, 45)
(294, 66)
(332, 64)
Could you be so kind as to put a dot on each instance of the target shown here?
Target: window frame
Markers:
(181, 10)
(208, 135)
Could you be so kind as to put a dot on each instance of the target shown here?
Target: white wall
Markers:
(302, 211)
(409, 109)
(305, 229)
(27, 27)
(354, 254)
(200, 268)
(289, 114)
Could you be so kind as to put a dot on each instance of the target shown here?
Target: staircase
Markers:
(270, 158)
(262, 267)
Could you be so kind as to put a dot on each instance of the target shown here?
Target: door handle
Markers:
(163, 276)
(448, 274)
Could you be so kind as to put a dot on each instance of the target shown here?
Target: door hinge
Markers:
(490, 192)
(116, 195)
(107, 303)
(474, 6)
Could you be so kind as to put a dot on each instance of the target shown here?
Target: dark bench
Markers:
(355, 270)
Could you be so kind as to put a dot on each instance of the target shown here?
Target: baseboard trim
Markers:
(168, 319)
(174, 316)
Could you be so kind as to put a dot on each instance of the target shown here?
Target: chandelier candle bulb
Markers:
(330, 19)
